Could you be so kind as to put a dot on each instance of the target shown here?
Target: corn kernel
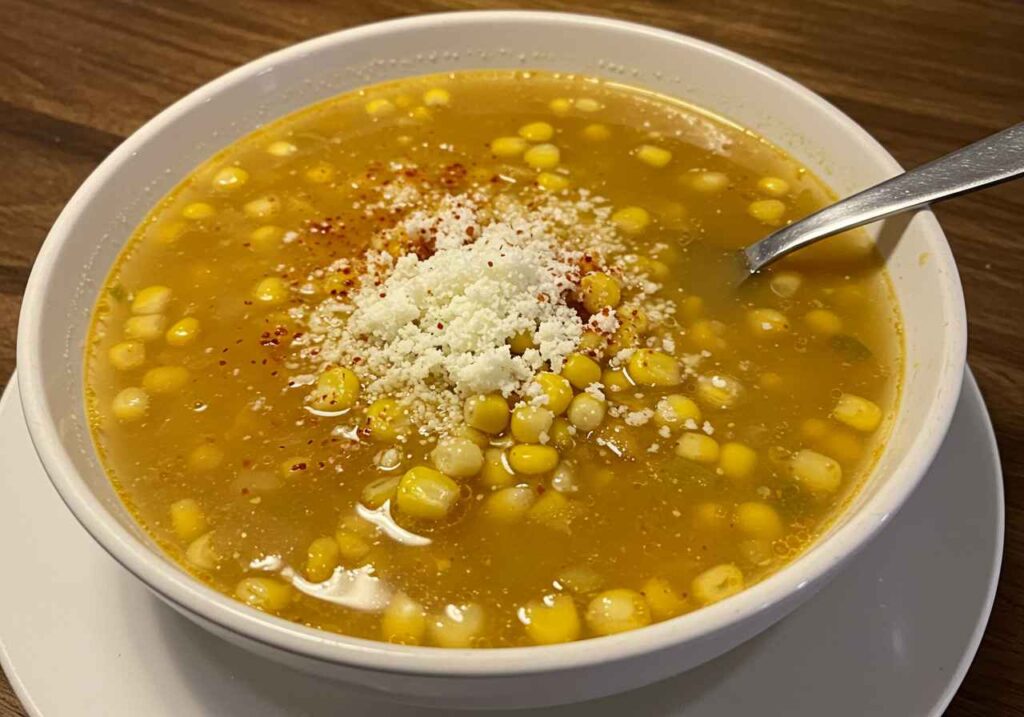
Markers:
(188, 519)
(532, 459)
(648, 367)
(599, 290)
(586, 412)
(201, 554)
(785, 284)
(857, 413)
(560, 106)
(265, 594)
(767, 322)
(842, 444)
(320, 173)
(230, 178)
(205, 457)
(495, 473)
(816, 472)
(520, 343)
(542, 156)
(710, 517)
(386, 420)
(814, 429)
(553, 510)
(707, 334)
(558, 392)
(697, 447)
(380, 107)
(767, 211)
(719, 390)
(716, 584)
(130, 404)
(508, 146)
(437, 97)
(509, 504)
(562, 434)
(337, 389)
(581, 371)
(271, 291)
(551, 620)
(266, 237)
(127, 355)
(770, 381)
(426, 493)
(404, 621)
(823, 321)
(616, 611)
(553, 182)
(653, 156)
(262, 207)
(531, 423)
(537, 132)
(631, 220)
(596, 133)
(615, 380)
(421, 114)
(377, 492)
(457, 457)
(758, 520)
(165, 379)
(773, 186)
(709, 182)
(322, 557)
(183, 332)
(737, 461)
(151, 300)
(663, 600)
(295, 467)
(352, 547)
(457, 625)
(591, 342)
(146, 327)
(198, 210)
(587, 104)
(488, 413)
(282, 148)
(675, 410)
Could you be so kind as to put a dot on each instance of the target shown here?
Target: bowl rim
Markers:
(212, 607)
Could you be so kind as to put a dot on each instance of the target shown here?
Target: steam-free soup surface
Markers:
(461, 361)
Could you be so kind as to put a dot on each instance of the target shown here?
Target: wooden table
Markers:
(923, 76)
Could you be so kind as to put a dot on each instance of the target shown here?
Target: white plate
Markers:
(894, 634)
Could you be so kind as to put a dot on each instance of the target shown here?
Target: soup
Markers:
(462, 361)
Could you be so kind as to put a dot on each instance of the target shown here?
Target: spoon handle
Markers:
(994, 159)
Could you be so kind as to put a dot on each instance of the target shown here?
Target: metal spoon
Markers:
(995, 159)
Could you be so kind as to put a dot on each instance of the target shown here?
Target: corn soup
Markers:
(461, 361)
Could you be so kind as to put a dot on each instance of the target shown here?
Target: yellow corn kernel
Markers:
(560, 106)
(552, 509)
(770, 381)
(558, 392)
(437, 97)
(816, 472)
(266, 237)
(478, 438)
(531, 423)
(551, 620)
(697, 447)
(596, 133)
(151, 300)
(230, 178)
(532, 459)
(737, 461)
(421, 114)
(758, 520)
(773, 186)
(814, 429)
(322, 557)
(709, 182)
(262, 207)
(631, 220)
(842, 444)
(320, 173)
(487, 413)
(716, 584)
(542, 156)
(201, 554)
(377, 492)
(457, 625)
(710, 517)
(785, 284)
(599, 290)
(767, 211)
(495, 473)
(183, 332)
(719, 390)
(380, 107)
(521, 342)
(707, 334)
(587, 104)
(127, 355)
(663, 600)
(553, 182)
(457, 457)
(386, 420)
(591, 342)
(352, 547)
(265, 594)
(130, 404)
(654, 368)
(426, 493)
(337, 389)
(581, 371)
(271, 291)
(188, 519)
(616, 611)
(168, 232)
(857, 413)
(198, 210)
(404, 621)
(537, 132)
(146, 327)
(281, 148)
(823, 321)
(508, 146)
(562, 434)
(205, 457)
(675, 410)
(586, 412)
(653, 156)
(165, 379)
(509, 504)
(767, 322)
(295, 466)
(616, 380)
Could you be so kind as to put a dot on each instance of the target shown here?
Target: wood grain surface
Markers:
(923, 76)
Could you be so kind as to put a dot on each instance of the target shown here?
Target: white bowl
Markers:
(96, 222)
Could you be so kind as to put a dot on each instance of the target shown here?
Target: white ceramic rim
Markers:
(175, 585)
